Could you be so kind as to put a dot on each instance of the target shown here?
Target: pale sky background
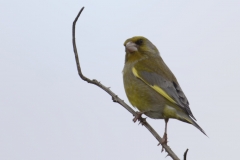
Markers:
(48, 113)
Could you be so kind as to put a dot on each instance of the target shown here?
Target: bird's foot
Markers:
(142, 120)
(138, 117)
(164, 140)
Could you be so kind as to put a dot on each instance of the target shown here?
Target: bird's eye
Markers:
(139, 42)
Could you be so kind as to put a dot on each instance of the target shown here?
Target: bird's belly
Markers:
(144, 98)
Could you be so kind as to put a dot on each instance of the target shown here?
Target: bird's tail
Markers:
(188, 119)
(198, 127)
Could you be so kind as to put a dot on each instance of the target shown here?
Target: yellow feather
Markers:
(156, 88)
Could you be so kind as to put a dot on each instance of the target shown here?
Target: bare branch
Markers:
(185, 155)
(115, 98)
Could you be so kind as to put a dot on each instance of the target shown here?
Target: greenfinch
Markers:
(150, 85)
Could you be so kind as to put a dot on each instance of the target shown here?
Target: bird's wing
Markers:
(167, 88)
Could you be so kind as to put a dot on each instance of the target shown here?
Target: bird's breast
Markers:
(141, 95)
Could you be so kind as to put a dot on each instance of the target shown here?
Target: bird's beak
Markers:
(131, 47)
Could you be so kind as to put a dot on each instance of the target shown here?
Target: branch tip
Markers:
(185, 155)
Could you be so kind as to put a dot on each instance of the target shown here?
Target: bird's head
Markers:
(138, 47)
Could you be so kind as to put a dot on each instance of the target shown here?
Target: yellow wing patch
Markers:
(155, 87)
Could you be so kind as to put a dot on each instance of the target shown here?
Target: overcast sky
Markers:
(48, 113)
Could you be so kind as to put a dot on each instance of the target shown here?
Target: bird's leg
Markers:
(164, 139)
(138, 117)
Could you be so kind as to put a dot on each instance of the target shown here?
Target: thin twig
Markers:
(115, 98)
(185, 155)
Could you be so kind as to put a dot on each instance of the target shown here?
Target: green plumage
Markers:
(151, 86)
